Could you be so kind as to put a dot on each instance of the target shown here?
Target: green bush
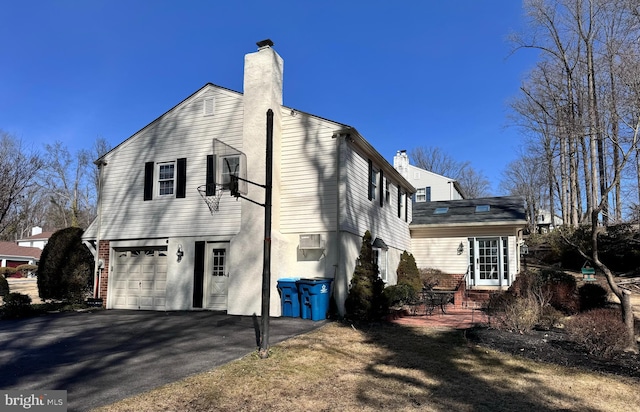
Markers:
(26, 269)
(399, 295)
(600, 332)
(365, 300)
(7, 272)
(4, 286)
(408, 273)
(16, 305)
(66, 267)
(592, 296)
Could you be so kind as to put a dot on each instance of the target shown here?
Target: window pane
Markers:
(166, 187)
(166, 171)
(230, 165)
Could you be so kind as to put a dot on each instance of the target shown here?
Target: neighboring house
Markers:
(159, 247)
(544, 223)
(12, 255)
(429, 186)
(477, 240)
(37, 239)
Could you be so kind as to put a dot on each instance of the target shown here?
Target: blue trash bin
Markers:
(289, 297)
(315, 296)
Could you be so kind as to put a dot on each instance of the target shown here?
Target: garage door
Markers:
(140, 279)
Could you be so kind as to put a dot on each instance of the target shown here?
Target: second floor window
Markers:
(166, 178)
(374, 184)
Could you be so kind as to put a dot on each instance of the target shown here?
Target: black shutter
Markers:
(406, 209)
(198, 274)
(399, 202)
(381, 190)
(369, 181)
(148, 180)
(181, 178)
(211, 175)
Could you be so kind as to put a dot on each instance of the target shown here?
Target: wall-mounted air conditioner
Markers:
(313, 241)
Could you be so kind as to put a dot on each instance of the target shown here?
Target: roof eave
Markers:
(366, 147)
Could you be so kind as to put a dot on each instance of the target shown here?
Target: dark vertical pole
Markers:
(266, 263)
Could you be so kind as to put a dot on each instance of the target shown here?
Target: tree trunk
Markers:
(623, 295)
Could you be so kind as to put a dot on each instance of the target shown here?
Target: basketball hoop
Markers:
(212, 200)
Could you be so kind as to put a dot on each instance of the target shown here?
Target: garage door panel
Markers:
(139, 281)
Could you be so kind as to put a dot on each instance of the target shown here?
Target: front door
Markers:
(216, 276)
(489, 261)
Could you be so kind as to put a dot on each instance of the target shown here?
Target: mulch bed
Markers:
(553, 347)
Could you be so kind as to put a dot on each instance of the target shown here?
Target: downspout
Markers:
(337, 274)
(98, 266)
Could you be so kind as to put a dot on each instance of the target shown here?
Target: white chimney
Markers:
(401, 163)
(36, 230)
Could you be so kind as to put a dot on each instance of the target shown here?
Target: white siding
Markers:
(308, 174)
(359, 214)
(441, 253)
(183, 132)
(441, 186)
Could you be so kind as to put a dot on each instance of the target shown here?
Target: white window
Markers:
(387, 191)
(230, 166)
(421, 195)
(166, 178)
(380, 257)
(374, 184)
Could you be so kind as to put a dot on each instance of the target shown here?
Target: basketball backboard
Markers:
(228, 162)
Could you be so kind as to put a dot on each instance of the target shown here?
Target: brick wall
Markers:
(103, 253)
(450, 281)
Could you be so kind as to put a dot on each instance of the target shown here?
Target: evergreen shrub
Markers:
(16, 305)
(365, 301)
(4, 286)
(66, 267)
(592, 296)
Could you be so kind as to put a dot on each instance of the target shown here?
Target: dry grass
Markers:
(388, 367)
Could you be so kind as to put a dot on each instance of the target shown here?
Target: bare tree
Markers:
(526, 177)
(18, 168)
(437, 161)
(66, 180)
(597, 115)
(473, 183)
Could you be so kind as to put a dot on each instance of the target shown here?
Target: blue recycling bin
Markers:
(289, 297)
(314, 297)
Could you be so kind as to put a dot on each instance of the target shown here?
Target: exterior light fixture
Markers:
(180, 253)
(460, 248)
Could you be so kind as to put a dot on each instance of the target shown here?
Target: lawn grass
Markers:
(388, 367)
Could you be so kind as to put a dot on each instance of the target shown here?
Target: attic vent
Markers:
(208, 106)
(311, 241)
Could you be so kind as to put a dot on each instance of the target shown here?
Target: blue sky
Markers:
(404, 73)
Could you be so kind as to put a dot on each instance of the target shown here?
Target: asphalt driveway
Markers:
(105, 356)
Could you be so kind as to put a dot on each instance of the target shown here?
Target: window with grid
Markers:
(166, 178)
(374, 184)
(230, 166)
